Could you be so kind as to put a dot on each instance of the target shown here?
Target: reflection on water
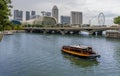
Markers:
(117, 54)
(80, 61)
(112, 39)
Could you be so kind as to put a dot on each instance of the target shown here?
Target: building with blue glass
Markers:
(65, 20)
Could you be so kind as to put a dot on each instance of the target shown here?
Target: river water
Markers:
(27, 54)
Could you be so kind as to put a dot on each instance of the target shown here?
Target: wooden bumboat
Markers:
(80, 51)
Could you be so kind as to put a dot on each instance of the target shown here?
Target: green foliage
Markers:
(5, 24)
(117, 20)
(17, 27)
(1, 28)
(7, 28)
(4, 12)
(13, 27)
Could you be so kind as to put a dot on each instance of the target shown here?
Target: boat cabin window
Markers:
(90, 49)
(66, 48)
(75, 49)
(85, 51)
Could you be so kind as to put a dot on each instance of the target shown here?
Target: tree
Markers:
(117, 20)
(4, 12)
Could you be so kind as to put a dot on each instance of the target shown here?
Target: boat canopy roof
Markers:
(80, 46)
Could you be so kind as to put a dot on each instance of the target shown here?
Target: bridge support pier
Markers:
(44, 31)
(62, 32)
(96, 33)
(92, 33)
(99, 33)
(31, 31)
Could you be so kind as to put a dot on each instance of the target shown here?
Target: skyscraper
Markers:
(27, 15)
(65, 19)
(18, 15)
(33, 13)
(76, 17)
(55, 12)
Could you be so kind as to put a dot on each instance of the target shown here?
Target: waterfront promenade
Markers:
(68, 30)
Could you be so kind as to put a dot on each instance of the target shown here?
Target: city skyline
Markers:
(90, 8)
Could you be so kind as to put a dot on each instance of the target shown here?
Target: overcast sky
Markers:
(90, 8)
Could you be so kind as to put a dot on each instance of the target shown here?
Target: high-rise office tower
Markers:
(55, 13)
(33, 13)
(18, 15)
(65, 19)
(21, 15)
(76, 17)
(27, 15)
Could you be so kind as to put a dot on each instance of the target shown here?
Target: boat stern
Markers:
(94, 56)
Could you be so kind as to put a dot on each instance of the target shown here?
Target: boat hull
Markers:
(81, 56)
